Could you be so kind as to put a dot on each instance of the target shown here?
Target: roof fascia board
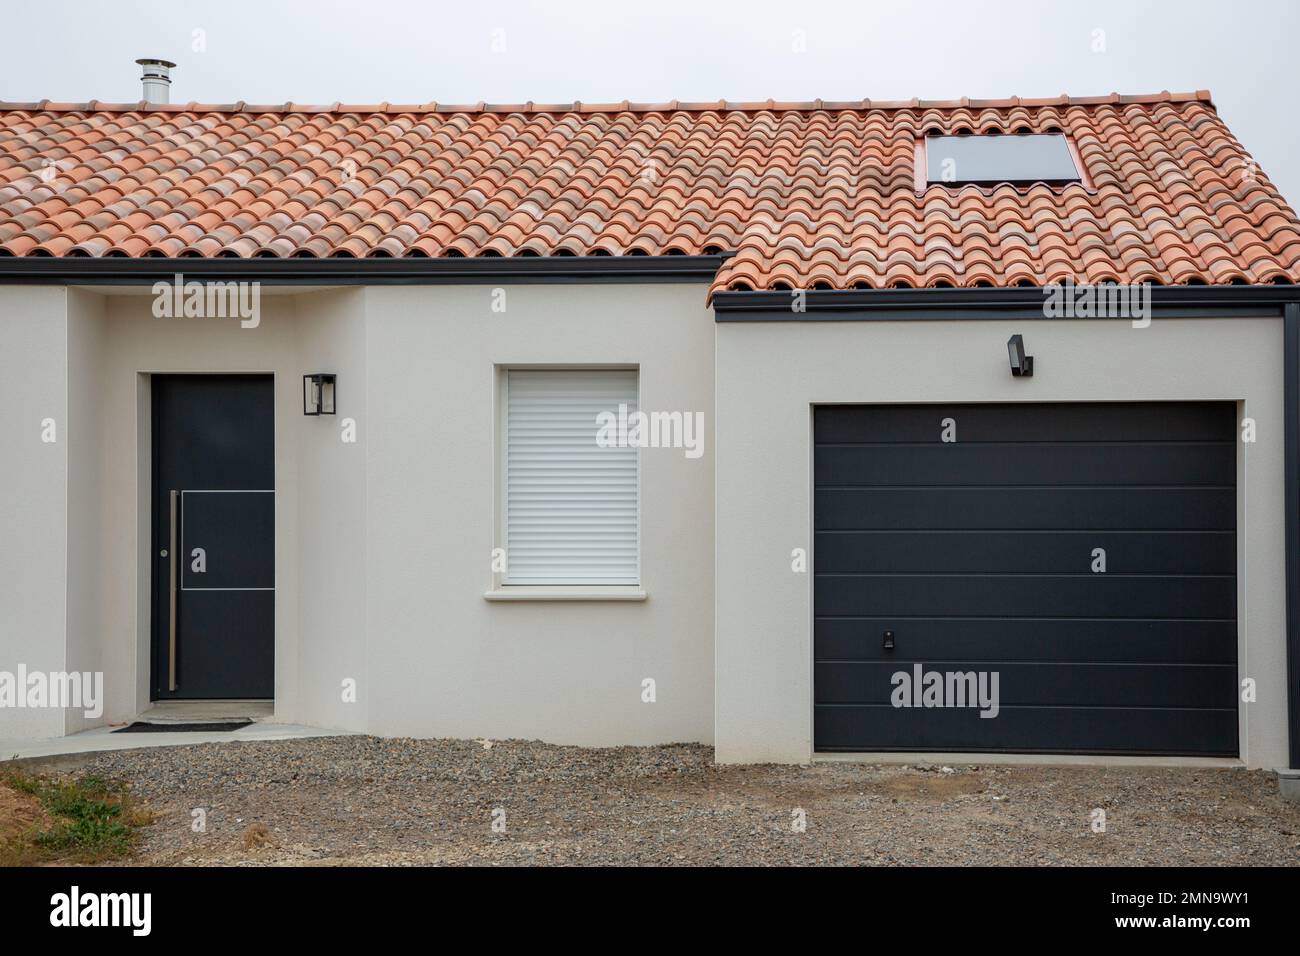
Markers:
(863, 305)
(85, 270)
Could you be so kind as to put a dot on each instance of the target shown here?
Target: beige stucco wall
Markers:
(86, 506)
(770, 374)
(33, 494)
(383, 546)
(330, 644)
(443, 659)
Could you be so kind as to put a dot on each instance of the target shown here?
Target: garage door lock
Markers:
(888, 642)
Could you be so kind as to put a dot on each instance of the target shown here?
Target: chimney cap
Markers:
(155, 79)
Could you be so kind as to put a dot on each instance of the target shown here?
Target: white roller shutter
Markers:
(571, 506)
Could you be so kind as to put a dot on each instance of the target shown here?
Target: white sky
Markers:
(367, 51)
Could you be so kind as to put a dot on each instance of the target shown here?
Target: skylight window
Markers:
(991, 160)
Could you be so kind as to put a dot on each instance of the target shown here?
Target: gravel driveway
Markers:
(365, 800)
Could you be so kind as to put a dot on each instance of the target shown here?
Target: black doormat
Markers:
(141, 727)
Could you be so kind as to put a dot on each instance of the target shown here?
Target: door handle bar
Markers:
(171, 597)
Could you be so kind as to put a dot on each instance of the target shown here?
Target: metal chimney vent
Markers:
(156, 79)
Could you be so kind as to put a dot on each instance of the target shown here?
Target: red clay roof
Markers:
(817, 195)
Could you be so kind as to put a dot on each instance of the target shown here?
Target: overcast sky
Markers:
(404, 51)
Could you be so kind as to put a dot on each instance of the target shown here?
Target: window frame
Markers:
(921, 167)
(502, 589)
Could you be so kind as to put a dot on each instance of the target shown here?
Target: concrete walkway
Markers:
(103, 738)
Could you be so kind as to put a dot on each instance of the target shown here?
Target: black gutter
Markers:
(110, 270)
(863, 305)
(1291, 425)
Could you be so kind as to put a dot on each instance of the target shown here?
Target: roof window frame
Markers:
(921, 178)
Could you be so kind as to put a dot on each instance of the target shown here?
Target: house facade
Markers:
(795, 429)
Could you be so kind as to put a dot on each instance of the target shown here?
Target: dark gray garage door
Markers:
(983, 556)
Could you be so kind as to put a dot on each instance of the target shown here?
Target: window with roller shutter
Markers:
(572, 507)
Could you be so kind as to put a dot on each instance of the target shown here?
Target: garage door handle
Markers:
(888, 642)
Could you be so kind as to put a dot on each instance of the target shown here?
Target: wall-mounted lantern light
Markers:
(1021, 364)
(318, 393)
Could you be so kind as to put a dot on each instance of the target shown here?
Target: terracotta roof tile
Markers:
(819, 194)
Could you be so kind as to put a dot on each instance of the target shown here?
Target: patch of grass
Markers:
(87, 820)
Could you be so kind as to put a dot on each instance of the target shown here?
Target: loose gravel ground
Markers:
(366, 800)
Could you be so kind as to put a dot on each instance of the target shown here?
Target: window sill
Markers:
(594, 592)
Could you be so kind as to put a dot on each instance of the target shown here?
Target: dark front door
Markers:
(213, 537)
(1085, 555)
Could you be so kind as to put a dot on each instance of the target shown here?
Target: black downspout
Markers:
(1291, 424)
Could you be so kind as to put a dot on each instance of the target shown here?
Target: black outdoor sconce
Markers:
(1021, 364)
(318, 393)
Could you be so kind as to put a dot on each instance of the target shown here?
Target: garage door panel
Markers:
(1000, 422)
(1000, 509)
(1041, 684)
(1027, 639)
(978, 556)
(1090, 730)
(1011, 552)
(1046, 595)
(975, 464)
